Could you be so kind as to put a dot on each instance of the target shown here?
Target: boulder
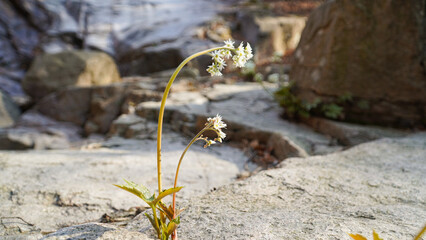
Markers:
(31, 138)
(27, 29)
(94, 108)
(133, 126)
(134, 59)
(372, 51)
(10, 84)
(349, 134)
(52, 72)
(250, 113)
(105, 106)
(271, 35)
(9, 111)
(35, 131)
(69, 105)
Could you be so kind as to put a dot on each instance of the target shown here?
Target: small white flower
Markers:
(216, 124)
(222, 135)
(229, 44)
(220, 64)
(219, 125)
(240, 49)
(240, 58)
(217, 55)
(211, 69)
(209, 143)
(248, 51)
(214, 70)
(226, 53)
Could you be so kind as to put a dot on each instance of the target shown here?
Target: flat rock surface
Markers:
(46, 190)
(96, 231)
(247, 105)
(379, 185)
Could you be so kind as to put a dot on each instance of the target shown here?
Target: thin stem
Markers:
(178, 166)
(420, 233)
(154, 211)
(174, 234)
(163, 104)
(161, 116)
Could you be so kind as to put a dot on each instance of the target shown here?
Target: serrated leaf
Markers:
(376, 236)
(357, 237)
(171, 227)
(139, 190)
(166, 193)
(168, 211)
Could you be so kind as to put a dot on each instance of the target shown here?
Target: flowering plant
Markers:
(164, 228)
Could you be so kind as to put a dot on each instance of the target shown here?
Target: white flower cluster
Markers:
(240, 57)
(216, 124)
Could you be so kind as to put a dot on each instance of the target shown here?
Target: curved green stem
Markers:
(161, 116)
(154, 212)
(163, 104)
(197, 137)
(420, 233)
(178, 166)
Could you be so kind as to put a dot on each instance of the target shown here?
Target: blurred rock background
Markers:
(81, 81)
(71, 60)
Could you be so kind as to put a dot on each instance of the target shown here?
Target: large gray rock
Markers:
(378, 185)
(94, 108)
(250, 113)
(53, 72)
(69, 105)
(133, 126)
(271, 35)
(9, 111)
(373, 51)
(36, 131)
(349, 134)
(46, 190)
(95, 231)
(375, 186)
(142, 59)
(31, 27)
(10, 84)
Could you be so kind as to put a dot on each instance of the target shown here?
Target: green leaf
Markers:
(332, 110)
(166, 193)
(152, 223)
(140, 191)
(177, 220)
(171, 227)
(168, 211)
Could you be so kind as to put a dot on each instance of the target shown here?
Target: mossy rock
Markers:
(374, 50)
